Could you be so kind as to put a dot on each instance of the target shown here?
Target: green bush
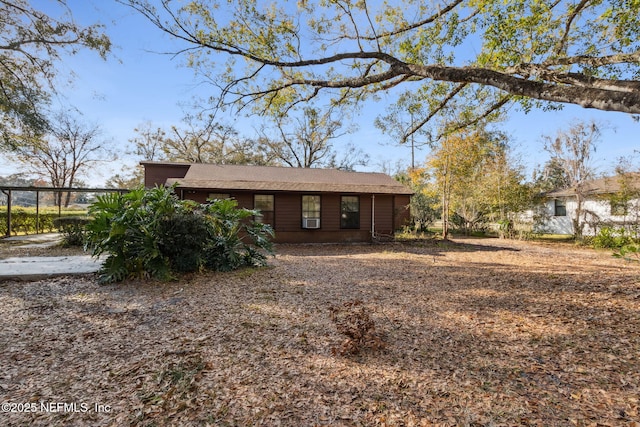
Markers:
(72, 229)
(24, 220)
(183, 240)
(152, 233)
(611, 237)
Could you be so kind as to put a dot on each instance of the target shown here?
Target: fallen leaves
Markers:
(492, 333)
(352, 320)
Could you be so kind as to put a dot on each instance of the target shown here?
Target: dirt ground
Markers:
(475, 333)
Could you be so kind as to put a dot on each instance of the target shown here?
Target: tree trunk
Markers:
(577, 224)
(445, 214)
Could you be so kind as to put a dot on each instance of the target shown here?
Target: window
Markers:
(350, 212)
(560, 208)
(619, 208)
(264, 204)
(310, 211)
(218, 196)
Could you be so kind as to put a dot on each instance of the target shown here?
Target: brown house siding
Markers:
(365, 213)
(157, 174)
(330, 212)
(288, 217)
(401, 211)
(245, 200)
(289, 212)
(384, 214)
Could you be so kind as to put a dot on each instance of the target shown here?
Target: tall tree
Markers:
(424, 200)
(401, 123)
(203, 139)
(534, 52)
(479, 179)
(147, 146)
(452, 164)
(31, 43)
(496, 190)
(551, 176)
(148, 143)
(64, 153)
(573, 151)
(305, 141)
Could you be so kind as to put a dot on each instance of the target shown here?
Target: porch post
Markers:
(37, 212)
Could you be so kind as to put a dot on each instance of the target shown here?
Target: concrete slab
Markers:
(36, 268)
(46, 240)
(43, 237)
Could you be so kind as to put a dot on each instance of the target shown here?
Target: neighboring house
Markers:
(607, 201)
(302, 205)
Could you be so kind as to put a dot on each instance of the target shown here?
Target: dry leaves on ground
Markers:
(475, 332)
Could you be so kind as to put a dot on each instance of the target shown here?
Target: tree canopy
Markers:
(66, 152)
(31, 42)
(305, 141)
(490, 52)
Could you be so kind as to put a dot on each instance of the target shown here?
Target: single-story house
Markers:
(301, 204)
(602, 205)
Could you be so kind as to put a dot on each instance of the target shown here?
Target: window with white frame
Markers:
(560, 207)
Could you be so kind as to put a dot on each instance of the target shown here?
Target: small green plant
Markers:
(611, 237)
(353, 321)
(72, 229)
(629, 252)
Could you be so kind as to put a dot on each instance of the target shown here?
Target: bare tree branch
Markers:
(419, 50)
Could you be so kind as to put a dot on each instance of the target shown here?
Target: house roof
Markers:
(270, 178)
(605, 185)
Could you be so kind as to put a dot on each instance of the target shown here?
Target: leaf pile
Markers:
(351, 319)
(476, 333)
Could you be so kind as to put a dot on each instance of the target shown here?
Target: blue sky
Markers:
(139, 84)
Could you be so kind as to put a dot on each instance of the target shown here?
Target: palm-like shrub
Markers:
(234, 239)
(152, 233)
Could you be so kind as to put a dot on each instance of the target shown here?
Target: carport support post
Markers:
(37, 212)
(8, 194)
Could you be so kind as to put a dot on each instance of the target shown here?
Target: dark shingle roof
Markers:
(270, 178)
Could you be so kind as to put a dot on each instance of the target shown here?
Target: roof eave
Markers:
(288, 187)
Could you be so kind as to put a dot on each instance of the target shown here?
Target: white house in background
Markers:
(599, 206)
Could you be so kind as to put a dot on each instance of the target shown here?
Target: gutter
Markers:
(373, 217)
